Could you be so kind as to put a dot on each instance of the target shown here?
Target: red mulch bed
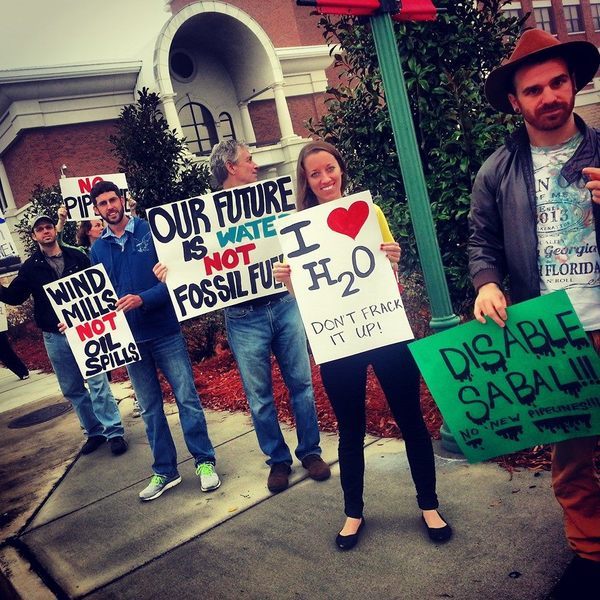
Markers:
(220, 388)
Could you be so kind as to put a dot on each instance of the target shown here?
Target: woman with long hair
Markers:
(321, 178)
(87, 231)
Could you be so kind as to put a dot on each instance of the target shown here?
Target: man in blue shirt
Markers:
(127, 252)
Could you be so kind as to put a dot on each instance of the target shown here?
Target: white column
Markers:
(248, 130)
(171, 115)
(10, 201)
(283, 112)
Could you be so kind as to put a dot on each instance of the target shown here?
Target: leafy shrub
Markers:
(19, 315)
(445, 64)
(204, 335)
(158, 168)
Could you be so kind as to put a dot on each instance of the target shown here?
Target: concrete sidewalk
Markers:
(93, 538)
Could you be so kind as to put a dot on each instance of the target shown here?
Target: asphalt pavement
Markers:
(78, 530)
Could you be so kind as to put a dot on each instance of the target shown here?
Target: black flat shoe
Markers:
(347, 542)
(438, 534)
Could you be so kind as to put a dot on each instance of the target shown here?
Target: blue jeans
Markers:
(253, 332)
(169, 354)
(97, 409)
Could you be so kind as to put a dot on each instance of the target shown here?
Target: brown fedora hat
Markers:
(534, 45)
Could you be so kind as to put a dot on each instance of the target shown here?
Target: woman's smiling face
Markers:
(324, 176)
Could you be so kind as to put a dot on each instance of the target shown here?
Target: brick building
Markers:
(249, 69)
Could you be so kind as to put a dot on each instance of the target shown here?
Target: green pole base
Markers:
(448, 442)
(441, 323)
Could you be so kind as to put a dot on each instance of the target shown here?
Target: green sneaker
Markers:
(158, 484)
(209, 480)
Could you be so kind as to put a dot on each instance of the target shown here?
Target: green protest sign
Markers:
(535, 381)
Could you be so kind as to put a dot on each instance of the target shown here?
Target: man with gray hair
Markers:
(256, 328)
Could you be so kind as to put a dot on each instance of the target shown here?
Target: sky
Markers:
(38, 33)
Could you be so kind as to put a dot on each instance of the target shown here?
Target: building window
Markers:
(3, 201)
(198, 128)
(514, 13)
(182, 66)
(573, 18)
(596, 15)
(544, 18)
(226, 127)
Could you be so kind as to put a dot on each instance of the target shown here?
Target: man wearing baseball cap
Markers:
(97, 409)
(533, 225)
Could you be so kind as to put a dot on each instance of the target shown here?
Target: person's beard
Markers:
(113, 219)
(539, 119)
(47, 243)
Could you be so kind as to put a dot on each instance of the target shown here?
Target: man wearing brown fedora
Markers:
(533, 224)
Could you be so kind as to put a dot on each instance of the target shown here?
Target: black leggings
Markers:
(9, 357)
(345, 382)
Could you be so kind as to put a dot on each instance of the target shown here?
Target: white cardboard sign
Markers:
(9, 257)
(75, 192)
(346, 290)
(220, 248)
(98, 335)
(3, 317)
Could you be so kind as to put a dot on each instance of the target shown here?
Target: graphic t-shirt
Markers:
(567, 253)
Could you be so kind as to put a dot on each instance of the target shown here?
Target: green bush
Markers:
(445, 64)
(204, 334)
(154, 159)
(18, 315)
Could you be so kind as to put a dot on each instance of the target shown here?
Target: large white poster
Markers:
(9, 257)
(220, 248)
(75, 192)
(98, 335)
(345, 287)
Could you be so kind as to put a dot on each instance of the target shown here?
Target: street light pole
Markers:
(414, 184)
(409, 159)
(412, 172)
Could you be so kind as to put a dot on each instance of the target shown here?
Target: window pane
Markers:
(515, 13)
(596, 15)
(198, 127)
(544, 19)
(3, 202)
(573, 18)
(226, 127)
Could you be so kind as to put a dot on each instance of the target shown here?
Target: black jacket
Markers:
(502, 220)
(33, 275)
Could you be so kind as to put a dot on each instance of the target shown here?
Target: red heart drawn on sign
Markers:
(349, 222)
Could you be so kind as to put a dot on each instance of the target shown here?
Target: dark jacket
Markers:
(130, 271)
(33, 275)
(502, 220)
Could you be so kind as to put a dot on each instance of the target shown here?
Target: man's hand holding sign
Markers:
(534, 381)
(219, 249)
(593, 175)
